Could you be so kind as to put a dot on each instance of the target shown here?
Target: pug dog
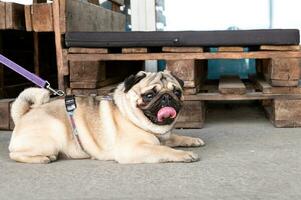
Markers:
(134, 126)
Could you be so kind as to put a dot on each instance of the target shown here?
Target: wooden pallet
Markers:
(6, 122)
(11, 16)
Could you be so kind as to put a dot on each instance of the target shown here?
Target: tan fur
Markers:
(107, 130)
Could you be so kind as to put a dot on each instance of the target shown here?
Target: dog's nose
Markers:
(166, 99)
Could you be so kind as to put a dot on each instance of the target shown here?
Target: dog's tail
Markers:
(28, 99)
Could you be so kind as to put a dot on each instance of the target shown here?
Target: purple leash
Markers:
(28, 75)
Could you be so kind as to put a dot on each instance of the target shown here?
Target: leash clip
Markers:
(54, 91)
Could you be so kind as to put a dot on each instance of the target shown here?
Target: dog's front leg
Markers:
(150, 153)
(182, 141)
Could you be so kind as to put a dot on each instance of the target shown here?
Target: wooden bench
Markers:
(278, 73)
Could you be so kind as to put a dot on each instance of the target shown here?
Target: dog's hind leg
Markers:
(23, 157)
(33, 149)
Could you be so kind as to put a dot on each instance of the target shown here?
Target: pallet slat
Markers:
(12, 16)
(285, 113)
(182, 49)
(192, 115)
(87, 50)
(280, 47)
(230, 49)
(187, 56)
(5, 118)
(134, 50)
(231, 85)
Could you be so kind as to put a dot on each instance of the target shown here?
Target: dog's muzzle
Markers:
(163, 109)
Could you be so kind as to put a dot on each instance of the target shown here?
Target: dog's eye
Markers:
(177, 92)
(148, 96)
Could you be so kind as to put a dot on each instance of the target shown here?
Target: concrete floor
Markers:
(245, 158)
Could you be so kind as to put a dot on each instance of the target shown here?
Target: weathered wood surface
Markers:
(2, 15)
(192, 72)
(281, 71)
(42, 17)
(83, 16)
(88, 92)
(58, 45)
(267, 88)
(192, 115)
(87, 50)
(280, 47)
(28, 17)
(187, 56)
(95, 85)
(5, 113)
(134, 50)
(89, 71)
(231, 85)
(12, 16)
(230, 49)
(182, 49)
(215, 96)
(119, 2)
(285, 113)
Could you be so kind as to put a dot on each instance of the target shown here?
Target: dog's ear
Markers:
(132, 80)
(181, 82)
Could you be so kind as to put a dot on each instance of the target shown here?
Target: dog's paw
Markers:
(187, 156)
(197, 142)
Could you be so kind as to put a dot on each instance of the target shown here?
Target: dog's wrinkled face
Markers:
(155, 99)
(161, 107)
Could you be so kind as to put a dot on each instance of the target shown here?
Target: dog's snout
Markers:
(166, 99)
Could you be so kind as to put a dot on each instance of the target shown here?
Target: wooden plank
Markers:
(262, 84)
(2, 15)
(65, 69)
(192, 115)
(284, 68)
(265, 87)
(182, 49)
(190, 71)
(36, 57)
(5, 113)
(284, 83)
(134, 50)
(28, 17)
(87, 50)
(115, 7)
(62, 16)
(193, 90)
(285, 113)
(119, 2)
(95, 2)
(58, 45)
(214, 96)
(14, 16)
(186, 56)
(88, 71)
(231, 85)
(230, 49)
(281, 71)
(1, 81)
(42, 17)
(89, 85)
(184, 69)
(82, 16)
(280, 47)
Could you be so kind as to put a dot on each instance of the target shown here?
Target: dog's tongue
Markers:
(166, 112)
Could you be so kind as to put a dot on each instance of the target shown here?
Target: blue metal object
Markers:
(240, 67)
